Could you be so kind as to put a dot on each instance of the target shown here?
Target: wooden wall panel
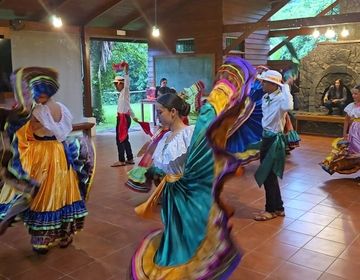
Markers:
(237, 11)
(201, 20)
(241, 11)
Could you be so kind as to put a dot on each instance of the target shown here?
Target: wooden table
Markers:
(148, 101)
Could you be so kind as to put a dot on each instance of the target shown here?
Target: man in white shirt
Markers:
(124, 113)
(276, 101)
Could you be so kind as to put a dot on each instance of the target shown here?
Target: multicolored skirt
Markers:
(215, 258)
(340, 159)
(58, 210)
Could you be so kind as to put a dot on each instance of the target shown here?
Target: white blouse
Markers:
(170, 157)
(352, 110)
(274, 106)
(59, 129)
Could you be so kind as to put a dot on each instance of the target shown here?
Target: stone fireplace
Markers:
(326, 63)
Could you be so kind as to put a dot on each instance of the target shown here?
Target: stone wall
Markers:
(326, 63)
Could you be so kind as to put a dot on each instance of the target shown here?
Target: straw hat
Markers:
(118, 79)
(271, 76)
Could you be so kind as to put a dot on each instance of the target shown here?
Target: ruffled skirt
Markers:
(215, 258)
(340, 159)
(58, 210)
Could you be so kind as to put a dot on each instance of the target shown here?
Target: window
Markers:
(185, 45)
(230, 40)
(302, 44)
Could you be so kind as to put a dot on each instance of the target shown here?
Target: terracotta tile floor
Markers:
(318, 239)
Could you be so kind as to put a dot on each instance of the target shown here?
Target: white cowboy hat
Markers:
(271, 76)
(118, 79)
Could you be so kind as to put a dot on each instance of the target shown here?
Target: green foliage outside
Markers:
(299, 9)
(136, 55)
(102, 55)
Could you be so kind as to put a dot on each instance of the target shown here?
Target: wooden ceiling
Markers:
(134, 15)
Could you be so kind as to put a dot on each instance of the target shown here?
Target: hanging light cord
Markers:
(156, 13)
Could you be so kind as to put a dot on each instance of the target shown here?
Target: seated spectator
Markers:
(165, 90)
(336, 96)
(163, 83)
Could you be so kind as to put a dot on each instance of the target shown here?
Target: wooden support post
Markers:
(85, 51)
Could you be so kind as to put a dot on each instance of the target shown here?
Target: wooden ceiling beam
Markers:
(41, 26)
(123, 22)
(140, 13)
(246, 34)
(45, 12)
(5, 32)
(294, 23)
(110, 33)
(4, 23)
(291, 32)
(322, 13)
(136, 15)
(101, 10)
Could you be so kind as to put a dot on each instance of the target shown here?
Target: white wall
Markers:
(56, 50)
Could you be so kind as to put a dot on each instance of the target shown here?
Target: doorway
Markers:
(103, 54)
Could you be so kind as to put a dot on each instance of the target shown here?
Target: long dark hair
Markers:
(171, 100)
(357, 87)
(341, 86)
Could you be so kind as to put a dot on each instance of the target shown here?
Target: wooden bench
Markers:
(85, 127)
(301, 117)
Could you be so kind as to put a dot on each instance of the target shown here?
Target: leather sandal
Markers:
(280, 213)
(265, 216)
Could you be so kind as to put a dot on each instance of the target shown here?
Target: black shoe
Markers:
(329, 113)
(41, 251)
(65, 242)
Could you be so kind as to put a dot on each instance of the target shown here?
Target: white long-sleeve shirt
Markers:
(124, 98)
(274, 107)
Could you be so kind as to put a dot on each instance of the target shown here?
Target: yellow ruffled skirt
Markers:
(58, 210)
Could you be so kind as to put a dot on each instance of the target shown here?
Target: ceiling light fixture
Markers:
(316, 34)
(56, 21)
(330, 33)
(345, 32)
(155, 29)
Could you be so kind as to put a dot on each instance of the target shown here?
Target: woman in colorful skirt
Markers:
(194, 164)
(137, 181)
(345, 155)
(41, 153)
